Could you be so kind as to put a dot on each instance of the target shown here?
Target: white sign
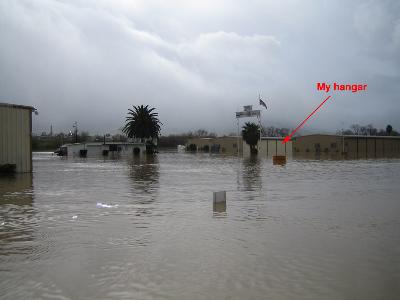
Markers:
(247, 114)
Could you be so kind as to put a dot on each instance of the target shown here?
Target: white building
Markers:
(112, 149)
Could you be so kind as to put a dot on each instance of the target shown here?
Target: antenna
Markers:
(75, 126)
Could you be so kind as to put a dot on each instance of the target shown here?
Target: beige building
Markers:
(270, 146)
(16, 136)
(348, 146)
(225, 144)
(308, 146)
(267, 147)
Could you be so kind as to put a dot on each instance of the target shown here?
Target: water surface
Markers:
(146, 228)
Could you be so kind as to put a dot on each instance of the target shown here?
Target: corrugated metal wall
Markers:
(270, 147)
(354, 146)
(15, 137)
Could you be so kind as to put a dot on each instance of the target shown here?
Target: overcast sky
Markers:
(197, 62)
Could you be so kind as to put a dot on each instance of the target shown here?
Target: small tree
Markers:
(251, 135)
(84, 136)
(371, 130)
(355, 128)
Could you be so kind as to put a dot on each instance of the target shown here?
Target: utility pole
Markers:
(259, 124)
(342, 138)
(75, 126)
(238, 133)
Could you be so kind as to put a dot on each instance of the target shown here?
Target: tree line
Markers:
(369, 129)
(173, 140)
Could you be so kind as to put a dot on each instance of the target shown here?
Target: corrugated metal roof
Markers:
(350, 136)
(101, 144)
(272, 138)
(17, 106)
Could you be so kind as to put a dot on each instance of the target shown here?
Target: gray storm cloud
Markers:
(198, 62)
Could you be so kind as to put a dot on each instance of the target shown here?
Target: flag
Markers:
(263, 104)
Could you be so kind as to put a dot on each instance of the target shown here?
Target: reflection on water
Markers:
(17, 215)
(251, 173)
(219, 209)
(16, 189)
(286, 232)
(144, 172)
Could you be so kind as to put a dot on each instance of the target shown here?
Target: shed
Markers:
(16, 136)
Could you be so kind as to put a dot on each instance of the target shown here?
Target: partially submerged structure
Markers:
(307, 146)
(267, 147)
(111, 149)
(270, 146)
(346, 146)
(16, 137)
(225, 144)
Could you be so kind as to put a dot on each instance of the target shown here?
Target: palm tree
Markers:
(251, 134)
(142, 123)
(389, 129)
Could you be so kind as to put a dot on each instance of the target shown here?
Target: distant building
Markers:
(270, 146)
(225, 144)
(16, 136)
(102, 149)
(267, 147)
(346, 146)
(307, 146)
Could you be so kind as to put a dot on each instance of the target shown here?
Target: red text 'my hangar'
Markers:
(354, 87)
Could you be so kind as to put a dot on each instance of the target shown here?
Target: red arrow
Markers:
(287, 138)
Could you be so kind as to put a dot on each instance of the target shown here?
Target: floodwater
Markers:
(147, 229)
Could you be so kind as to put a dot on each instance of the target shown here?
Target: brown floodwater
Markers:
(147, 228)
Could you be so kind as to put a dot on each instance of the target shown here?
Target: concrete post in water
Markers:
(219, 197)
(219, 207)
(219, 201)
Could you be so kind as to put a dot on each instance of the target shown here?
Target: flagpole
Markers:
(237, 144)
(259, 119)
(259, 124)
